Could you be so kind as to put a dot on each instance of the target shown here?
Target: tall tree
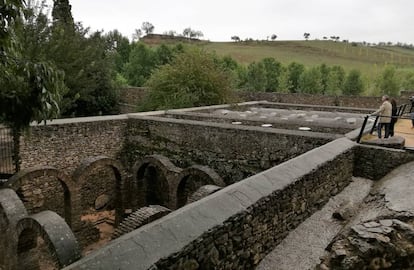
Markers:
(147, 27)
(62, 13)
(29, 90)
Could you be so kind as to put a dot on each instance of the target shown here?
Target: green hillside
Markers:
(368, 59)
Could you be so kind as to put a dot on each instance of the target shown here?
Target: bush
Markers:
(193, 78)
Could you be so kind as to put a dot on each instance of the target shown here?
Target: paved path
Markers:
(302, 248)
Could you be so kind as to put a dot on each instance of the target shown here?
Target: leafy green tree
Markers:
(147, 27)
(119, 46)
(310, 81)
(62, 14)
(388, 82)
(335, 81)
(256, 76)
(324, 71)
(294, 71)
(353, 83)
(142, 61)
(408, 81)
(273, 71)
(164, 54)
(28, 90)
(193, 78)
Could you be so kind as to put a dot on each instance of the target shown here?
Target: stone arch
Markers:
(17, 180)
(202, 192)
(87, 230)
(58, 237)
(11, 211)
(139, 218)
(154, 176)
(192, 178)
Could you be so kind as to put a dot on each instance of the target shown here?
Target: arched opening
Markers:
(40, 245)
(99, 206)
(43, 188)
(193, 178)
(152, 185)
(33, 253)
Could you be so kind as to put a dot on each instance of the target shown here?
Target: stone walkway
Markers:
(303, 247)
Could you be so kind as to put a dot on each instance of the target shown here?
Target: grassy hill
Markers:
(369, 60)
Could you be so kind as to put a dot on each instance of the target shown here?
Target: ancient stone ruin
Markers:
(220, 187)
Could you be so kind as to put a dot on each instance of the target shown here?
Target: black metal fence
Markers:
(7, 167)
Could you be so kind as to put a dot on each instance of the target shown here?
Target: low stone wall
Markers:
(234, 152)
(135, 95)
(375, 162)
(64, 143)
(237, 226)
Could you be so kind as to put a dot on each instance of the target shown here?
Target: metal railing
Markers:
(7, 167)
(401, 110)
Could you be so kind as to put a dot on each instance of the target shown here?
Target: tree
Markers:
(193, 78)
(294, 70)
(61, 13)
(147, 27)
(274, 37)
(136, 35)
(273, 71)
(187, 32)
(28, 90)
(388, 82)
(256, 76)
(118, 45)
(353, 83)
(310, 81)
(142, 61)
(306, 35)
(335, 82)
(235, 38)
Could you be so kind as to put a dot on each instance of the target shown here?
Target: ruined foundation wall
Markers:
(236, 227)
(65, 143)
(233, 152)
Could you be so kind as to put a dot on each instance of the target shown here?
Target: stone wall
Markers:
(134, 95)
(234, 152)
(237, 226)
(65, 143)
(375, 162)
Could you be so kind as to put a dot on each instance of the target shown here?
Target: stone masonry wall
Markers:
(65, 143)
(375, 162)
(135, 95)
(233, 152)
(237, 226)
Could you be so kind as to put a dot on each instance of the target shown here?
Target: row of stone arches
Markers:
(22, 234)
(156, 181)
(159, 182)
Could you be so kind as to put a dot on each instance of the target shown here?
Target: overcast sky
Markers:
(355, 20)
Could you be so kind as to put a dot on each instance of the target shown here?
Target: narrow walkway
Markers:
(303, 247)
(403, 128)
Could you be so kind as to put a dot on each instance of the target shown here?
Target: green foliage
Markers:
(310, 81)
(62, 14)
(256, 77)
(388, 82)
(408, 81)
(353, 83)
(294, 71)
(324, 71)
(118, 46)
(264, 75)
(335, 81)
(273, 70)
(142, 61)
(193, 78)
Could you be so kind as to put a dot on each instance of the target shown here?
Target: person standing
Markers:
(394, 116)
(384, 112)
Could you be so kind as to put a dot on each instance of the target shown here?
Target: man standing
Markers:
(384, 113)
